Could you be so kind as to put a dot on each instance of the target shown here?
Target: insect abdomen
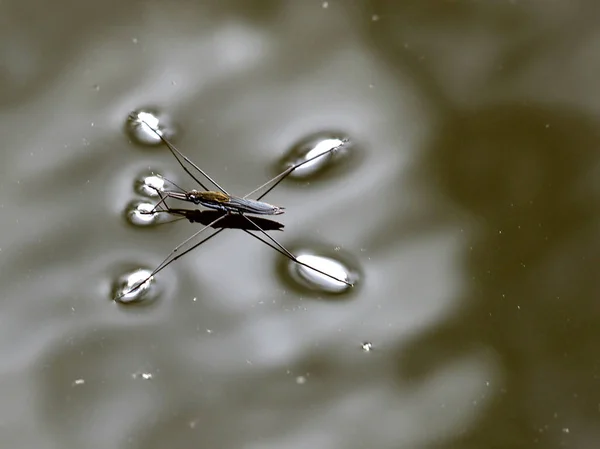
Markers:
(221, 201)
(252, 207)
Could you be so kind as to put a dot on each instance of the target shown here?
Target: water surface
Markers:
(466, 209)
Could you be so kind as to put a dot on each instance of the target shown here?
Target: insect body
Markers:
(225, 202)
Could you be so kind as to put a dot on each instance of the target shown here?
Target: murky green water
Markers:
(467, 211)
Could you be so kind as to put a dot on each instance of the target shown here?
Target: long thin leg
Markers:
(283, 250)
(295, 259)
(178, 154)
(272, 239)
(284, 174)
(167, 260)
(163, 200)
(170, 259)
(266, 242)
(163, 209)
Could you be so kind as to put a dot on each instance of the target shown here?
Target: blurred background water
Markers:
(467, 209)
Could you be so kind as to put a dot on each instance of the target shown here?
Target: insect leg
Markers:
(173, 256)
(178, 154)
(283, 250)
(284, 174)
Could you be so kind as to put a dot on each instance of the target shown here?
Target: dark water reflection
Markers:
(469, 212)
(525, 175)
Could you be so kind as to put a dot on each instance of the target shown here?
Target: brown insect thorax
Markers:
(218, 197)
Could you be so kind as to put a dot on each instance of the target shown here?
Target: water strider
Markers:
(231, 208)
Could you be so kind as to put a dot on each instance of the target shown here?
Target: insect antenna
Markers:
(181, 189)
